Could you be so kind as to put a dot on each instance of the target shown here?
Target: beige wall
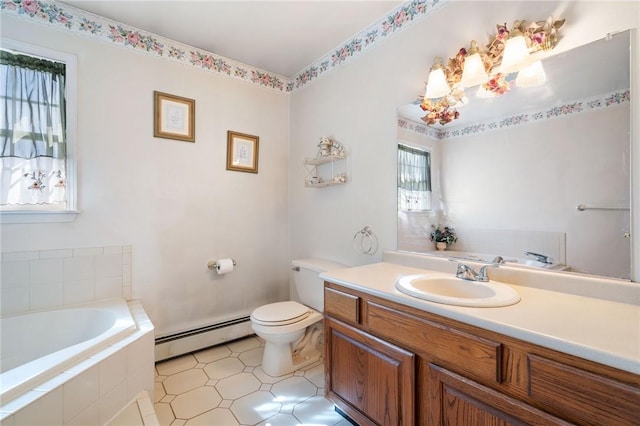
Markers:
(172, 201)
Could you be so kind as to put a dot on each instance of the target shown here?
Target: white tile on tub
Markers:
(54, 383)
(7, 419)
(89, 416)
(89, 251)
(108, 265)
(126, 292)
(15, 256)
(130, 416)
(80, 392)
(112, 402)
(126, 274)
(75, 292)
(112, 250)
(54, 254)
(79, 268)
(113, 371)
(145, 405)
(15, 274)
(45, 296)
(108, 288)
(44, 411)
(46, 271)
(14, 300)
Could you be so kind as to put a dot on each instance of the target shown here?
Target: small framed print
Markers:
(174, 117)
(242, 152)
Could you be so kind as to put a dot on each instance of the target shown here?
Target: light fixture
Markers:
(473, 72)
(509, 51)
(516, 52)
(437, 86)
(496, 86)
(531, 76)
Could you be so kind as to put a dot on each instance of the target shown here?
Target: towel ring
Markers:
(365, 241)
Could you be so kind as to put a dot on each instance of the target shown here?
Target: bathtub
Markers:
(42, 351)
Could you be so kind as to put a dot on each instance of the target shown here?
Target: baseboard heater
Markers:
(196, 339)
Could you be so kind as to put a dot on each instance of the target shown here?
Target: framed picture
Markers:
(174, 117)
(242, 152)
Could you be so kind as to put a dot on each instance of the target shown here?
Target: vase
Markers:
(441, 246)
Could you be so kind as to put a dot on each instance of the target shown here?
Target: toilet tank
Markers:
(308, 285)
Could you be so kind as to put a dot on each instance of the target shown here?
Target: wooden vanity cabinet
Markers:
(390, 364)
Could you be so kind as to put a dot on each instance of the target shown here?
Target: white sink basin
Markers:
(449, 290)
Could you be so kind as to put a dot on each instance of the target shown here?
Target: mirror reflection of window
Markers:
(414, 179)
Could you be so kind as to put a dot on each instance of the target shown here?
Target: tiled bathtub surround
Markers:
(44, 279)
(95, 389)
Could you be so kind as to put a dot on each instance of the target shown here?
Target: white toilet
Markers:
(291, 330)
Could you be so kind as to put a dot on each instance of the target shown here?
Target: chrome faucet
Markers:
(466, 272)
(540, 257)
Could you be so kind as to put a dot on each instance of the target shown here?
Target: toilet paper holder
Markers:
(213, 264)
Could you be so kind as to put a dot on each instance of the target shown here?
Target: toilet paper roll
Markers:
(224, 266)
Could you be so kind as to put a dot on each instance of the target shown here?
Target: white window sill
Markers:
(38, 216)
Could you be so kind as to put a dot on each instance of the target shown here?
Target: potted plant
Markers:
(443, 236)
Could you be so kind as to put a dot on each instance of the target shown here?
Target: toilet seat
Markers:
(280, 313)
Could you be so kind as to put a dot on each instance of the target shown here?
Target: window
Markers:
(37, 134)
(414, 179)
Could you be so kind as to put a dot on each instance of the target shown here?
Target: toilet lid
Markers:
(280, 313)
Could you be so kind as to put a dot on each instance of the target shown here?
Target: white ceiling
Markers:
(282, 37)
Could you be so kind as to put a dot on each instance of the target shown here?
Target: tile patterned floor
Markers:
(226, 386)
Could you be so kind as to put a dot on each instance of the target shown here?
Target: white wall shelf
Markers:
(325, 171)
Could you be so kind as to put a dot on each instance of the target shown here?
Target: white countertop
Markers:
(604, 331)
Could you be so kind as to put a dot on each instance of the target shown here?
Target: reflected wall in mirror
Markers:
(510, 179)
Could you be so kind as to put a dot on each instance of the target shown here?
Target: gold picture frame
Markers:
(174, 117)
(242, 152)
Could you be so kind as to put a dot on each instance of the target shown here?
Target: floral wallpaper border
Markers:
(607, 100)
(93, 26)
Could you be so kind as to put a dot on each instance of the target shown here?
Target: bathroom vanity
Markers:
(392, 359)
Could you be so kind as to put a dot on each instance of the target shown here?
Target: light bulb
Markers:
(531, 76)
(437, 85)
(473, 72)
(516, 53)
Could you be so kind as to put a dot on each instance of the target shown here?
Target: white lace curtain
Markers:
(32, 136)
(414, 179)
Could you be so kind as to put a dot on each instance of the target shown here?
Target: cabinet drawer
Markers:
(342, 305)
(473, 356)
(581, 396)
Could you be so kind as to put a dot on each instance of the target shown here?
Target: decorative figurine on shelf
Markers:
(329, 147)
(325, 147)
(341, 178)
(337, 150)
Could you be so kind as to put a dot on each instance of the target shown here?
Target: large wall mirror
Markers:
(541, 169)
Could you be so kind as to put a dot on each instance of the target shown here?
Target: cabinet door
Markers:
(456, 400)
(369, 379)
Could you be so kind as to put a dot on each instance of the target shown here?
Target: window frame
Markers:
(38, 214)
(428, 152)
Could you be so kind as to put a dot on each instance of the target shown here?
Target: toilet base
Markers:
(278, 359)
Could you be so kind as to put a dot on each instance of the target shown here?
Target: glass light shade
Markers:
(437, 85)
(531, 76)
(516, 55)
(473, 72)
